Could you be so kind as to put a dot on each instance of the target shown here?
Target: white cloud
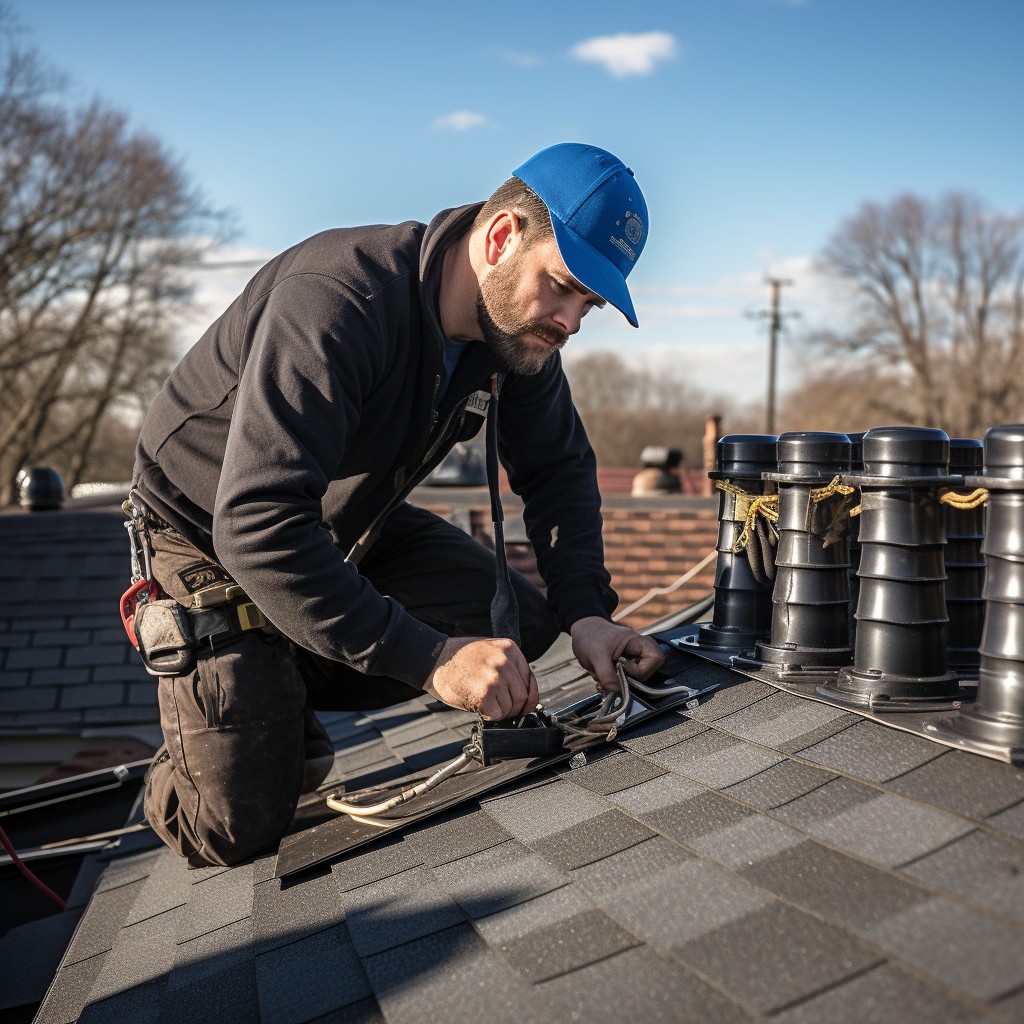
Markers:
(627, 53)
(460, 121)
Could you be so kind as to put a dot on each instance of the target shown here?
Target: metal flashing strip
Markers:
(921, 721)
(336, 837)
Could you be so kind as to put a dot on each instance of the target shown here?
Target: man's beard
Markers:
(504, 330)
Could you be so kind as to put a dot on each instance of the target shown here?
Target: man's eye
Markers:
(560, 286)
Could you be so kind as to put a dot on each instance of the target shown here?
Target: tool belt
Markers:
(166, 634)
(169, 636)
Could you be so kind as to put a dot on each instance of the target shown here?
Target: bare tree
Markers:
(98, 226)
(936, 289)
(624, 409)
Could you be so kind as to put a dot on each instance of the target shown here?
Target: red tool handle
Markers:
(129, 602)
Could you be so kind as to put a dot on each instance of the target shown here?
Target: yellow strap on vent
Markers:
(834, 486)
(964, 502)
(767, 505)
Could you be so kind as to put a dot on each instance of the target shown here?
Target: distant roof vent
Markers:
(463, 466)
(40, 489)
(658, 476)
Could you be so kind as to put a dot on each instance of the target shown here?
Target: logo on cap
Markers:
(634, 229)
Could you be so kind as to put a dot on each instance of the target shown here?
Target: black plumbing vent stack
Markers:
(899, 660)
(994, 723)
(853, 534)
(810, 602)
(965, 565)
(743, 603)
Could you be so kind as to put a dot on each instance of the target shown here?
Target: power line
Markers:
(775, 317)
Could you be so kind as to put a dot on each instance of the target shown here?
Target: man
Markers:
(273, 467)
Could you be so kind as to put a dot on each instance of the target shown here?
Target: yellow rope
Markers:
(743, 499)
(834, 486)
(964, 502)
(767, 505)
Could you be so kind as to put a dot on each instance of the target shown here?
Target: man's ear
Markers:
(502, 236)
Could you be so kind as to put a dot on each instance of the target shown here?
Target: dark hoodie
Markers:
(306, 412)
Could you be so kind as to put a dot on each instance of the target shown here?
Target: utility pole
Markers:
(774, 317)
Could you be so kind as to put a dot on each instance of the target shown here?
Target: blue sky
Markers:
(753, 126)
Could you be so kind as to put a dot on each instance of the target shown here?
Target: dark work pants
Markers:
(238, 729)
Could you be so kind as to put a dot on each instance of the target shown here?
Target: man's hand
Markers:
(598, 644)
(489, 676)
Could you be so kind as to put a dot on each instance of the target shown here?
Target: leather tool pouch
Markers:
(167, 642)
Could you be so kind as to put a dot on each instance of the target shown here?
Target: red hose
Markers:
(40, 885)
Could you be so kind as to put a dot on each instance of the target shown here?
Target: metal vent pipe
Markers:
(853, 535)
(899, 658)
(743, 609)
(994, 723)
(810, 600)
(965, 565)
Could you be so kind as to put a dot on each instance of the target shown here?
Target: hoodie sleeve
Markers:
(315, 352)
(551, 465)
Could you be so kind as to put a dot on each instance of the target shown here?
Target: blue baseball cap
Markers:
(598, 214)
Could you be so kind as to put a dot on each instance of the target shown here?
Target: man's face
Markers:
(529, 305)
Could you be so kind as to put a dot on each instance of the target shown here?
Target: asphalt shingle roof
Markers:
(759, 857)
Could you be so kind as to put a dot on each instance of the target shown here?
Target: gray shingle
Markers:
(614, 772)
(592, 839)
(684, 901)
(309, 978)
(97, 695)
(776, 956)
(33, 699)
(638, 985)
(706, 815)
(746, 842)
(69, 992)
(141, 954)
(661, 732)
(782, 718)
(438, 842)
(567, 945)
(390, 857)
(872, 752)
(731, 699)
(848, 892)
(779, 784)
(963, 783)
(716, 760)
(825, 802)
(500, 877)
(889, 830)
(984, 960)
(224, 899)
(397, 910)
(166, 887)
(981, 868)
(662, 791)
(140, 1005)
(458, 978)
(102, 921)
(212, 953)
(883, 995)
(538, 812)
(280, 916)
(1010, 821)
(540, 912)
(226, 995)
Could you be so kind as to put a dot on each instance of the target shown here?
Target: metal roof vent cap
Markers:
(811, 598)
(853, 534)
(40, 489)
(965, 565)
(994, 723)
(899, 660)
(743, 608)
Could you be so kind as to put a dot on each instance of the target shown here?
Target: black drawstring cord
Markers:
(504, 607)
